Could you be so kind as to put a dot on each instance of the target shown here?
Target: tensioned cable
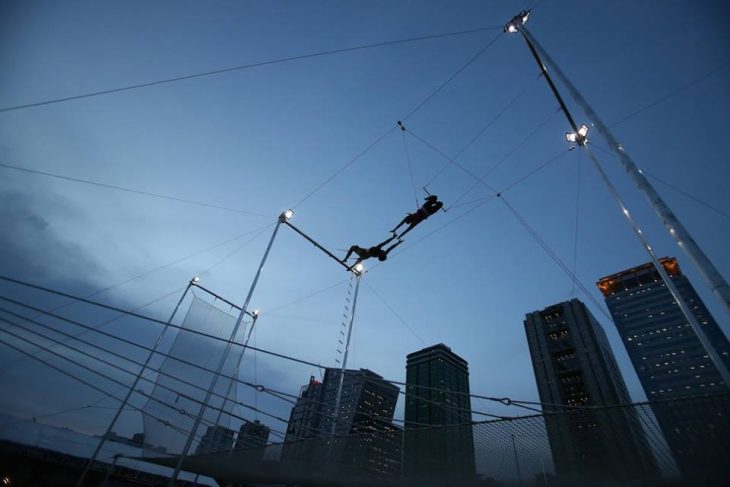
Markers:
(395, 313)
(577, 224)
(476, 136)
(132, 190)
(686, 194)
(675, 188)
(521, 220)
(509, 154)
(259, 387)
(160, 298)
(91, 385)
(123, 357)
(671, 94)
(453, 76)
(555, 258)
(155, 320)
(246, 66)
(411, 113)
(410, 165)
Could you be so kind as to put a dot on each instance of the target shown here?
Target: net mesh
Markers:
(180, 388)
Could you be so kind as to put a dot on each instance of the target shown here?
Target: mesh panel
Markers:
(176, 399)
(620, 445)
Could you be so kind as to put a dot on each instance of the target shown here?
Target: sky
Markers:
(266, 139)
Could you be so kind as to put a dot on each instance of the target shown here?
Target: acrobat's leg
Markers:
(387, 251)
(410, 227)
(349, 253)
(386, 241)
(399, 225)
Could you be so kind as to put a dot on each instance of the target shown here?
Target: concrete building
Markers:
(438, 425)
(574, 369)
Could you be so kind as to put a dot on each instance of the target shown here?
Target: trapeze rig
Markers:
(676, 230)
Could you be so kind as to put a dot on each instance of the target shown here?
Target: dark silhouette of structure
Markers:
(671, 363)
(438, 436)
(576, 371)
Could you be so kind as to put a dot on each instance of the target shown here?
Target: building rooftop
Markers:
(617, 282)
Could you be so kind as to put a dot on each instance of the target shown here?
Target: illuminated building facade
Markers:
(438, 424)
(365, 439)
(671, 362)
(575, 367)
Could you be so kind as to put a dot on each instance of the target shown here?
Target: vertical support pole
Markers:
(665, 214)
(676, 229)
(235, 376)
(133, 386)
(338, 397)
(110, 470)
(209, 393)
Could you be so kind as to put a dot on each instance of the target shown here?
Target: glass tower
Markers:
(438, 425)
(672, 364)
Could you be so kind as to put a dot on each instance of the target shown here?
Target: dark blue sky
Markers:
(262, 139)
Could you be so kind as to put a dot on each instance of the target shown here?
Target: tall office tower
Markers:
(365, 419)
(365, 440)
(216, 439)
(304, 425)
(252, 434)
(574, 366)
(671, 364)
(438, 436)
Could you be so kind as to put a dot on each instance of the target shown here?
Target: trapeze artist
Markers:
(431, 206)
(375, 251)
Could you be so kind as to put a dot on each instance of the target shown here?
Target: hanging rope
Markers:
(410, 163)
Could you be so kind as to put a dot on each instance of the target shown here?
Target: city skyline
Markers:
(306, 134)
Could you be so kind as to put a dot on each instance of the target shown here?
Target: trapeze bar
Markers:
(313, 242)
(251, 314)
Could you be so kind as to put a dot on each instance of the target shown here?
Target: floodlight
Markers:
(358, 268)
(518, 20)
(196, 279)
(571, 137)
(255, 313)
(583, 131)
(579, 137)
(287, 214)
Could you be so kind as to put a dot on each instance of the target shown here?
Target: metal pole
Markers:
(203, 406)
(686, 311)
(132, 387)
(338, 397)
(517, 461)
(235, 375)
(677, 231)
(110, 470)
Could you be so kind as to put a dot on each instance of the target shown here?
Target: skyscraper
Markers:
(438, 425)
(574, 366)
(216, 439)
(364, 442)
(671, 363)
(252, 434)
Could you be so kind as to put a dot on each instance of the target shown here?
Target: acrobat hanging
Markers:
(375, 251)
(431, 206)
